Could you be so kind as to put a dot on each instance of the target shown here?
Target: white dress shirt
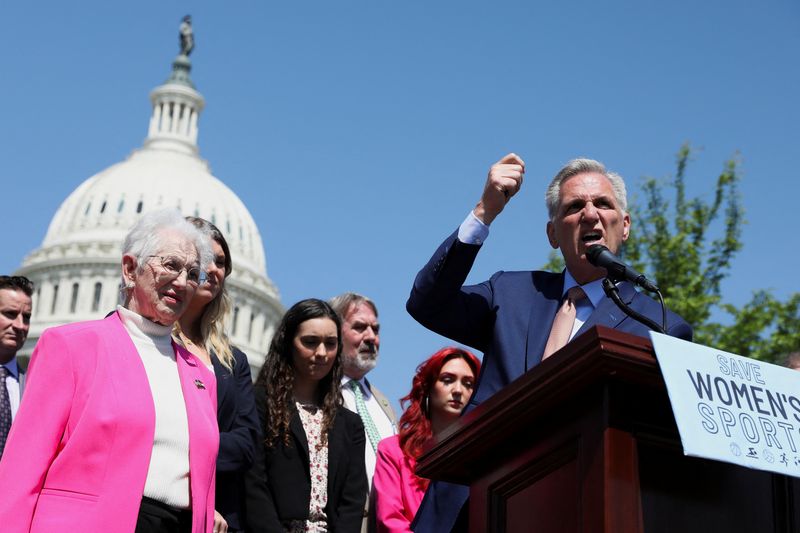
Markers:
(12, 385)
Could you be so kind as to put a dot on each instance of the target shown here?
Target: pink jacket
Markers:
(398, 491)
(78, 452)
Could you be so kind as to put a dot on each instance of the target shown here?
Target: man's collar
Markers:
(347, 379)
(363, 382)
(12, 367)
(593, 289)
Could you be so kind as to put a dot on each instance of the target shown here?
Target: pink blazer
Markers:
(78, 452)
(398, 490)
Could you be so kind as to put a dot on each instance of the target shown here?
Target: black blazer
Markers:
(239, 435)
(279, 484)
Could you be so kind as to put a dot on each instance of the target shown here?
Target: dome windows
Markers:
(73, 302)
(55, 299)
(98, 290)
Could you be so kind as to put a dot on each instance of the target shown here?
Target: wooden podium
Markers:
(586, 442)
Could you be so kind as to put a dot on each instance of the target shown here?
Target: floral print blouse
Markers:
(311, 418)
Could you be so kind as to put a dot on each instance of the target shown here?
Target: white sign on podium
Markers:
(732, 408)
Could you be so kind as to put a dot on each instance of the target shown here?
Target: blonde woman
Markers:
(201, 331)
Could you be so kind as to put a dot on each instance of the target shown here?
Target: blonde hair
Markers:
(212, 328)
(217, 311)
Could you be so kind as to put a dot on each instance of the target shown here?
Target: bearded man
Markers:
(360, 344)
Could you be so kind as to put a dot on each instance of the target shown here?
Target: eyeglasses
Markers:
(174, 266)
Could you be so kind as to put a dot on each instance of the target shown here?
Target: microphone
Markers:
(600, 256)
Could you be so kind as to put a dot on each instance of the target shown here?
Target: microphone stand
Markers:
(612, 292)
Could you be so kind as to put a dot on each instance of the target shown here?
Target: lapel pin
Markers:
(199, 384)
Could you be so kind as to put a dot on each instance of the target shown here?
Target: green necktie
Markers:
(361, 408)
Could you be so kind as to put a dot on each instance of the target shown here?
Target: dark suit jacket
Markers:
(279, 484)
(239, 435)
(508, 318)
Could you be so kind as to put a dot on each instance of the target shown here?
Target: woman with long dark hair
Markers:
(309, 474)
(440, 390)
(201, 330)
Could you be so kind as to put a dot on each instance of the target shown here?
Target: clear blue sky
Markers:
(359, 133)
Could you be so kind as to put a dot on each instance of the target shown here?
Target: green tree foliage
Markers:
(765, 328)
(674, 242)
(690, 244)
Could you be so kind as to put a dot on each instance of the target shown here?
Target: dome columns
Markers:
(173, 123)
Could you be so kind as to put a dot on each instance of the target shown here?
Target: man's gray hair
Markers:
(792, 360)
(146, 237)
(580, 166)
(342, 303)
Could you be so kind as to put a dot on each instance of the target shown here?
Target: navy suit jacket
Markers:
(239, 434)
(508, 318)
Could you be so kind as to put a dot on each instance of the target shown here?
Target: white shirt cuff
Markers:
(472, 230)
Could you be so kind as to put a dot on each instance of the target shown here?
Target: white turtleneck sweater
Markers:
(168, 473)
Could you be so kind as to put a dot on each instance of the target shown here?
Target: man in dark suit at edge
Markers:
(510, 316)
(15, 321)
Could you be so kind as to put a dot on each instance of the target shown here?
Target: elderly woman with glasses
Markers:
(117, 430)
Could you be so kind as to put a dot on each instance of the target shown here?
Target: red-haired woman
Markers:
(440, 390)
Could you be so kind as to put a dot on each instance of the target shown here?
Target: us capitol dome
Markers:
(77, 270)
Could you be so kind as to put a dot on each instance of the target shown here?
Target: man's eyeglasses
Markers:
(174, 266)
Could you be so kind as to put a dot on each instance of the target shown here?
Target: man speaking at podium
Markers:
(518, 319)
